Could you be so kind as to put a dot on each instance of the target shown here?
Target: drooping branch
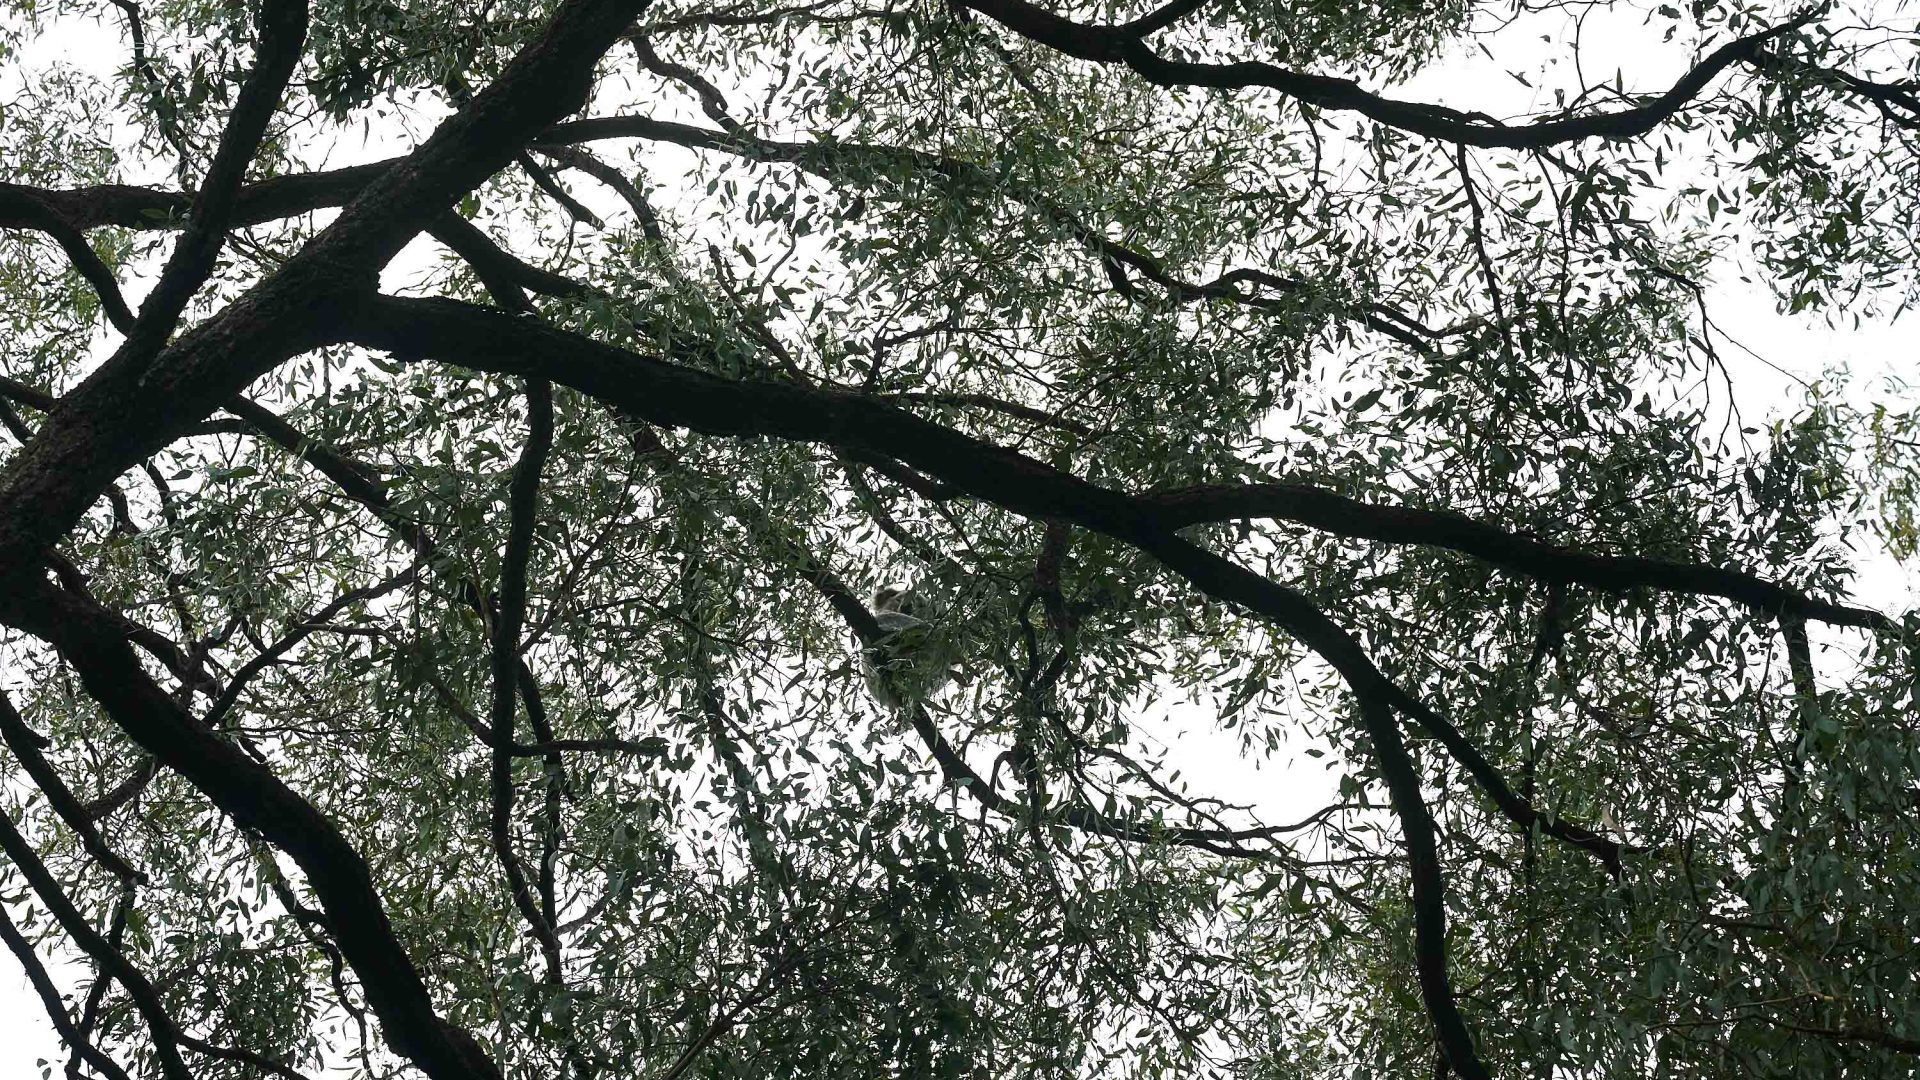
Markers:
(712, 102)
(1224, 579)
(299, 631)
(361, 483)
(575, 157)
(544, 180)
(843, 163)
(865, 627)
(164, 113)
(105, 951)
(836, 162)
(503, 274)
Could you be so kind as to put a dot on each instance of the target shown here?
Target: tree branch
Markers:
(1318, 508)
(43, 985)
(522, 503)
(26, 745)
(283, 31)
(257, 799)
(668, 394)
(1429, 887)
(166, 1036)
(1123, 45)
(131, 406)
(24, 206)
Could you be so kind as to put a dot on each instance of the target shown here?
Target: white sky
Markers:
(1789, 348)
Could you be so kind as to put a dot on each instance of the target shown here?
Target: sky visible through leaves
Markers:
(1863, 365)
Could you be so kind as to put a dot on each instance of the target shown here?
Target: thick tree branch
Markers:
(1318, 508)
(576, 158)
(257, 799)
(79, 1041)
(503, 274)
(545, 181)
(166, 1036)
(671, 395)
(131, 406)
(856, 423)
(1124, 45)
(522, 514)
(26, 745)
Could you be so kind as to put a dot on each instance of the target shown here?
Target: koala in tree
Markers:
(919, 636)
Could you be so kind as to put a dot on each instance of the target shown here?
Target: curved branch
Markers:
(829, 160)
(1123, 45)
(284, 196)
(26, 207)
(1342, 516)
(522, 504)
(668, 394)
(1429, 888)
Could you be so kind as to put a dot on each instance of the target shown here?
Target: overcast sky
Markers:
(1790, 351)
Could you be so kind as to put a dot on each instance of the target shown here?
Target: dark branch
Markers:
(26, 207)
(1123, 45)
(26, 745)
(522, 513)
(131, 405)
(283, 31)
(1342, 516)
(166, 1036)
(256, 799)
(671, 395)
(49, 994)
(1429, 887)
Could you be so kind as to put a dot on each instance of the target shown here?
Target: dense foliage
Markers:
(438, 584)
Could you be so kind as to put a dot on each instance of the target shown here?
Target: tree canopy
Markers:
(454, 448)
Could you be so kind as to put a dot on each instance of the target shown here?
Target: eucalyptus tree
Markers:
(437, 584)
